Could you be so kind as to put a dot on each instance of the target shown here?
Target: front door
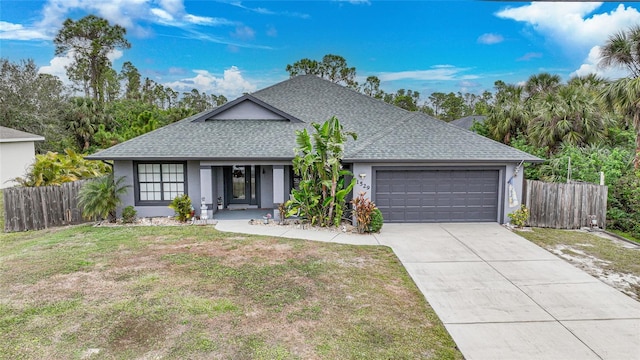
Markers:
(241, 184)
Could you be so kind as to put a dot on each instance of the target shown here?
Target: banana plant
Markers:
(318, 161)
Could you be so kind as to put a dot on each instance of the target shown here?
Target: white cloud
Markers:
(490, 39)
(9, 31)
(244, 33)
(574, 30)
(205, 20)
(469, 86)
(162, 15)
(127, 13)
(265, 11)
(567, 24)
(355, 2)
(172, 6)
(232, 84)
(590, 66)
(437, 72)
(529, 56)
(57, 67)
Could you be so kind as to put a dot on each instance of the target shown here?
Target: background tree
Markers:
(332, 67)
(82, 117)
(131, 78)
(541, 83)
(453, 107)
(371, 87)
(405, 99)
(436, 100)
(566, 114)
(623, 49)
(33, 102)
(623, 96)
(90, 40)
(510, 114)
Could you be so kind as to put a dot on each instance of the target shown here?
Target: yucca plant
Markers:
(100, 197)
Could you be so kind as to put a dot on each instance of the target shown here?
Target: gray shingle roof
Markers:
(467, 121)
(13, 135)
(385, 132)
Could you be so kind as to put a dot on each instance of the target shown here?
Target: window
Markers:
(160, 182)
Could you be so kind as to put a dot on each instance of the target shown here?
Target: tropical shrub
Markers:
(624, 205)
(99, 198)
(376, 221)
(129, 214)
(519, 217)
(363, 209)
(181, 204)
(54, 169)
(321, 195)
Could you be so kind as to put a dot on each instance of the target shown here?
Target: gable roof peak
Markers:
(210, 115)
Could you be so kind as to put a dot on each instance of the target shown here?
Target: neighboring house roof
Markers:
(385, 132)
(8, 135)
(467, 121)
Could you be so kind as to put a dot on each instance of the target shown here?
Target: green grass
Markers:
(625, 235)
(193, 292)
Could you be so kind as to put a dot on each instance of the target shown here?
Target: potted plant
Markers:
(220, 206)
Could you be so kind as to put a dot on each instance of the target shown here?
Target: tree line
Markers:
(591, 121)
(116, 106)
(444, 106)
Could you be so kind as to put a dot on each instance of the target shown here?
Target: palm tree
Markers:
(82, 119)
(591, 81)
(623, 96)
(623, 49)
(509, 116)
(542, 83)
(99, 198)
(571, 115)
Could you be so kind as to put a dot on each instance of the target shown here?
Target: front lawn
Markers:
(613, 261)
(192, 292)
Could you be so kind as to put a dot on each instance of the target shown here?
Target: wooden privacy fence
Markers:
(565, 206)
(34, 208)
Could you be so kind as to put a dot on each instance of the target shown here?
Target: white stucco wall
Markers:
(15, 159)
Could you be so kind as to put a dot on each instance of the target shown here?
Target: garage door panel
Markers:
(414, 187)
(437, 195)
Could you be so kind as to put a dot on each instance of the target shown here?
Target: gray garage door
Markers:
(437, 195)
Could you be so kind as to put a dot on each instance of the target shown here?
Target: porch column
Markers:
(278, 184)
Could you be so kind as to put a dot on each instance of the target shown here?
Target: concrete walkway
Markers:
(499, 295)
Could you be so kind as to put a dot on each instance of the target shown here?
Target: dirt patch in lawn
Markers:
(613, 261)
(192, 292)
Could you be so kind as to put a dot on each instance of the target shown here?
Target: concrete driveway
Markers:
(499, 295)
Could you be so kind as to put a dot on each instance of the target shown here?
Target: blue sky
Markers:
(231, 47)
